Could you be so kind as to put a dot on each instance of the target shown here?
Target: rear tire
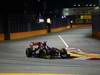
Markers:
(42, 54)
(29, 52)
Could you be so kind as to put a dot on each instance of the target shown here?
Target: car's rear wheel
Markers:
(29, 52)
(42, 54)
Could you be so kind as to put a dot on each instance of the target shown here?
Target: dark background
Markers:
(16, 15)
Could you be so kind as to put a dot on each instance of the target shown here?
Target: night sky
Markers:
(20, 5)
(60, 3)
(69, 3)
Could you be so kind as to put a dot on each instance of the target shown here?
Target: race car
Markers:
(42, 50)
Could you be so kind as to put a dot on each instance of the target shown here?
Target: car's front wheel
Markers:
(64, 54)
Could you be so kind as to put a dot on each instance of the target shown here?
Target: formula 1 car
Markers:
(42, 50)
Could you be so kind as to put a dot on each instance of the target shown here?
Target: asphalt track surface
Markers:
(14, 60)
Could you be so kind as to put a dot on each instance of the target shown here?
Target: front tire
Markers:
(64, 54)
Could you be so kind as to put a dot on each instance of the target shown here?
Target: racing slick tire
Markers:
(42, 54)
(29, 52)
(64, 54)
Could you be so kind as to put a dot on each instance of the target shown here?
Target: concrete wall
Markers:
(21, 35)
(59, 29)
(1, 37)
(96, 25)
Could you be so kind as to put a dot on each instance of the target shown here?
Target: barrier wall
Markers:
(21, 35)
(96, 25)
(1, 37)
(59, 29)
(96, 34)
(67, 27)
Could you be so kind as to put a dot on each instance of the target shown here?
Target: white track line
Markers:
(67, 46)
(63, 41)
